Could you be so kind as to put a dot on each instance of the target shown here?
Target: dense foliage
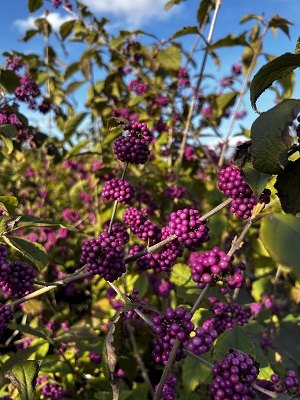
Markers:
(137, 261)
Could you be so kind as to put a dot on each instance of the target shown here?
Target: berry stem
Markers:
(216, 209)
(139, 358)
(273, 395)
(204, 362)
(167, 370)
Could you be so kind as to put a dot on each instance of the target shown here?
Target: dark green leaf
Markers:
(113, 122)
(278, 22)
(280, 235)
(74, 86)
(203, 11)
(76, 149)
(35, 252)
(29, 34)
(72, 124)
(276, 69)
(34, 5)
(117, 42)
(270, 136)
(9, 80)
(195, 373)
(170, 58)
(288, 187)
(255, 179)
(29, 330)
(235, 339)
(66, 28)
(8, 130)
(223, 102)
(23, 377)
(8, 204)
(297, 48)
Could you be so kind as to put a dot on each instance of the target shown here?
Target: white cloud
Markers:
(134, 13)
(55, 19)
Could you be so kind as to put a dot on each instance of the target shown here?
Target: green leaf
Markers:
(35, 252)
(8, 143)
(34, 5)
(9, 80)
(278, 22)
(297, 48)
(30, 33)
(8, 130)
(8, 204)
(72, 124)
(203, 10)
(66, 28)
(187, 30)
(255, 179)
(23, 377)
(270, 136)
(116, 42)
(76, 149)
(235, 339)
(288, 187)
(186, 289)
(74, 86)
(280, 235)
(29, 330)
(276, 69)
(171, 3)
(224, 101)
(248, 17)
(114, 122)
(229, 41)
(194, 372)
(170, 58)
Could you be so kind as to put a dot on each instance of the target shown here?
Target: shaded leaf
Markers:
(297, 48)
(270, 136)
(23, 377)
(74, 86)
(76, 149)
(9, 80)
(8, 130)
(288, 187)
(278, 22)
(8, 143)
(203, 10)
(66, 28)
(280, 235)
(34, 5)
(171, 3)
(29, 34)
(224, 101)
(114, 122)
(255, 179)
(186, 288)
(35, 252)
(276, 69)
(29, 330)
(248, 17)
(235, 339)
(116, 42)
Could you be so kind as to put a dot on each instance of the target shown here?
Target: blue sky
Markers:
(149, 15)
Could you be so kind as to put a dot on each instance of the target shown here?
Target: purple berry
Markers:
(118, 189)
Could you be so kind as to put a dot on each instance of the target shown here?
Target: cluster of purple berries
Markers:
(120, 232)
(175, 192)
(186, 224)
(288, 385)
(169, 388)
(104, 256)
(233, 377)
(202, 341)
(134, 148)
(214, 266)
(233, 185)
(95, 358)
(144, 229)
(176, 324)
(226, 316)
(6, 316)
(118, 189)
(132, 314)
(16, 278)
